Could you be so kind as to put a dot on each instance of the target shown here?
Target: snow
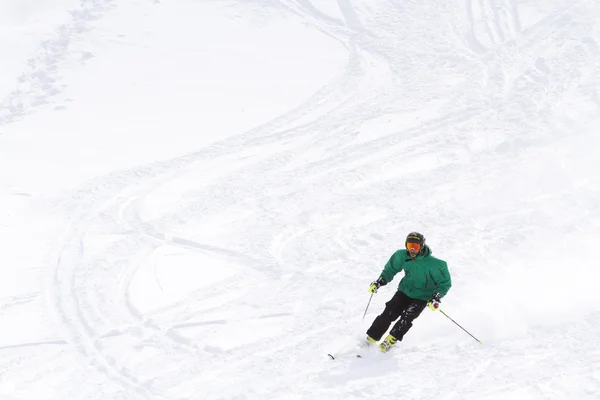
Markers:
(196, 195)
(22, 24)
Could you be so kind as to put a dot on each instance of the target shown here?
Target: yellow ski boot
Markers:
(387, 343)
(370, 341)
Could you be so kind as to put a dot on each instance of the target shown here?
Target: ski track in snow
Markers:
(316, 148)
(40, 84)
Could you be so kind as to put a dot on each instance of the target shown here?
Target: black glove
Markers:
(435, 301)
(376, 285)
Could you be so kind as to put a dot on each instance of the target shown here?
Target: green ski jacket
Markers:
(424, 275)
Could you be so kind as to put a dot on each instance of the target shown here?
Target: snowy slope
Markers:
(196, 195)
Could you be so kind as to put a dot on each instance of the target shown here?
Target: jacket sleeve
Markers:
(442, 278)
(392, 267)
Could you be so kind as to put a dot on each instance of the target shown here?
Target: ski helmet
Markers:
(415, 237)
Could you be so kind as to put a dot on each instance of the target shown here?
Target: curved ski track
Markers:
(319, 150)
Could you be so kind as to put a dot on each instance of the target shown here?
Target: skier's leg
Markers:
(411, 311)
(392, 311)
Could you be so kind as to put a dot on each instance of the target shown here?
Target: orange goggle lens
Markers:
(413, 246)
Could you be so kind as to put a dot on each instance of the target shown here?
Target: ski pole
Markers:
(446, 315)
(368, 304)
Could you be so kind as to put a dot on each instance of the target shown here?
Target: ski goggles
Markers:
(413, 246)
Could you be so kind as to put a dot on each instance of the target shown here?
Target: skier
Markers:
(426, 280)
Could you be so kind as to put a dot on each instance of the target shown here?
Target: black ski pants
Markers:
(400, 306)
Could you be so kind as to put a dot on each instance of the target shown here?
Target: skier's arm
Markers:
(442, 278)
(392, 267)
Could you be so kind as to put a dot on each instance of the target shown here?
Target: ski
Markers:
(337, 356)
(349, 347)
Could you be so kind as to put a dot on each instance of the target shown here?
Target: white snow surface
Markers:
(195, 196)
